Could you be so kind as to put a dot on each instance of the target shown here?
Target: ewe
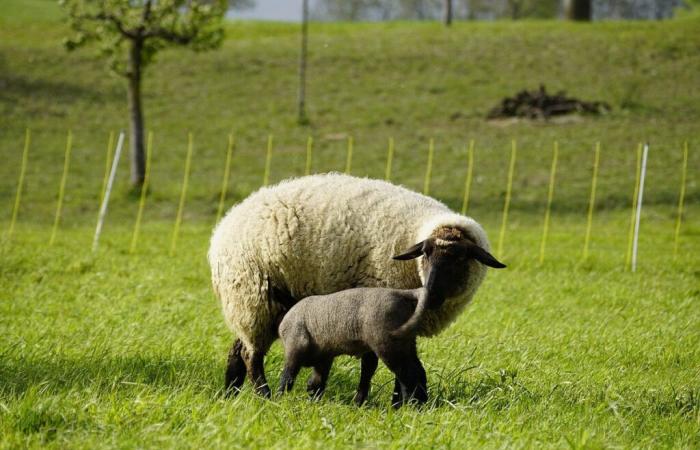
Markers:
(322, 234)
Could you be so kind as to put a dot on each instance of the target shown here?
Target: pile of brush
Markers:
(539, 104)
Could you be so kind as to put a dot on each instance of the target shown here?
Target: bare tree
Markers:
(580, 10)
(302, 118)
(130, 33)
(447, 13)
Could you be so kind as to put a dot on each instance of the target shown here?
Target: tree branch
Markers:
(170, 36)
(102, 17)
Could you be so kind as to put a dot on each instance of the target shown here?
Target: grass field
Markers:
(127, 350)
(121, 350)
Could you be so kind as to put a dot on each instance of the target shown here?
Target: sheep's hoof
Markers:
(263, 391)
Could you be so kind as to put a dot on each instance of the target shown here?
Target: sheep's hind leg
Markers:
(256, 371)
(316, 385)
(235, 369)
(367, 369)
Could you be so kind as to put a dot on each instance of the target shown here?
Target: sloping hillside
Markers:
(412, 81)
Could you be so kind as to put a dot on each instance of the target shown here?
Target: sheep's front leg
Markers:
(367, 369)
(316, 385)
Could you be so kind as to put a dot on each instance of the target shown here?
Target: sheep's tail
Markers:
(411, 325)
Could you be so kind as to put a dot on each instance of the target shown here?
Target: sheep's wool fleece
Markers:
(321, 234)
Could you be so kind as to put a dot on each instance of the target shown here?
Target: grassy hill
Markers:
(410, 81)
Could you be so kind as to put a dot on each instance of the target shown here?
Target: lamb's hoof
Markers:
(360, 398)
(315, 392)
(315, 387)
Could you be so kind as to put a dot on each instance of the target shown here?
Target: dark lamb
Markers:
(376, 323)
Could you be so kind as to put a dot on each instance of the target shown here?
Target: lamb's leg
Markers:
(420, 394)
(289, 375)
(256, 371)
(410, 375)
(367, 369)
(397, 396)
(235, 369)
(316, 385)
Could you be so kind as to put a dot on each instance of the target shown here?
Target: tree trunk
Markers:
(580, 10)
(301, 99)
(138, 160)
(447, 13)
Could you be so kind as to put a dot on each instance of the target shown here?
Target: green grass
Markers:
(121, 350)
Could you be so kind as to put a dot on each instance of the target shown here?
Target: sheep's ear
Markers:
(485, 257)
(411, 253)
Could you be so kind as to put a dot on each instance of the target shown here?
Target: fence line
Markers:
(309, 151)
(632, 246)
(224, 183)
(681, 197)
(20, 183)
(389, 160)
(268, 161)
(645, 154)
(630, 233)
(62, 187)
(429, 168)
(506, 203)
(591, 201)
(183, 194)
(348, 158)
(105, 199)
(144, 190)
(468, 181)
(550, 196)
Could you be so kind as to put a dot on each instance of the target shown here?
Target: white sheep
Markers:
(321, 234)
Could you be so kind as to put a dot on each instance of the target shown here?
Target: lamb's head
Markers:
(446, 263)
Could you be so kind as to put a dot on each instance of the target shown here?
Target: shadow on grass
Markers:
(108, 374)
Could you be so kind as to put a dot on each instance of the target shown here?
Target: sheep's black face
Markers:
(446, 267)
(447, 263)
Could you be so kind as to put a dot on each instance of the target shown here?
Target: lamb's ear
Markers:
(411, 253)
(485, 257)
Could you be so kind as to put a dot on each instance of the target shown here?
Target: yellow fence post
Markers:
(506, 204)
(268, 161)
(309, 155)
(224, 183)
(62, 187)
(428, 168)
(183, 194)
(348, 158)
(591, 201)
(144, 189)
(550, 196)
(681, 198)
(468, 181)
(20, 183)
(630, 234)
(389, 160)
